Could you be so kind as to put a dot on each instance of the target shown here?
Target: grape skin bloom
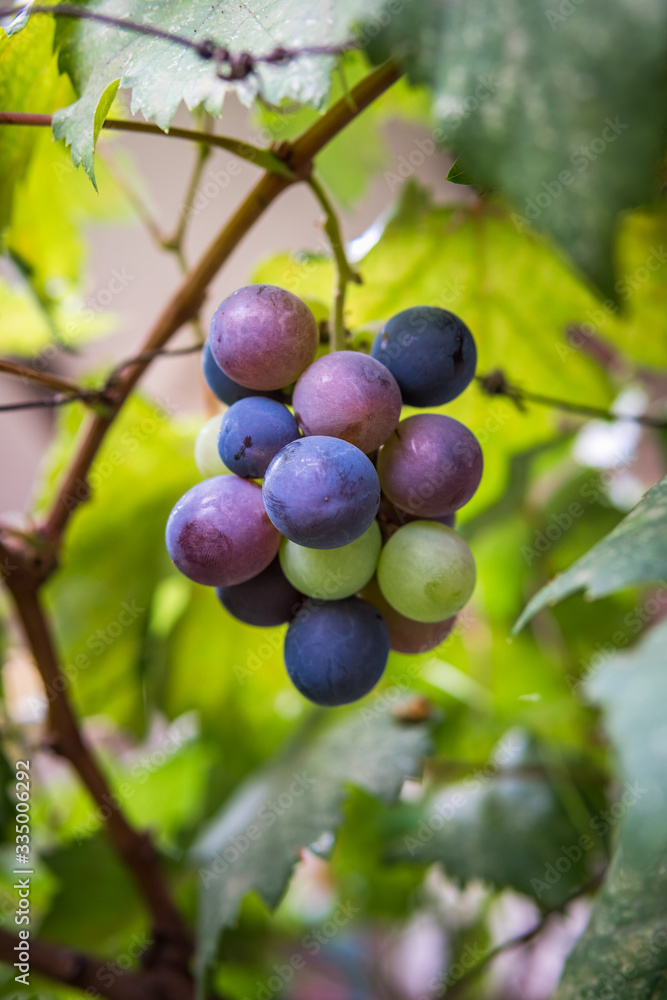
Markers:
(349, 396)
(335, 652)
(252, 431)
(219, 534)
(263, 337)
(430, 352)
(321, 492)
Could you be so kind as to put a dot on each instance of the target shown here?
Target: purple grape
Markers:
(219, 534)
(225, 388)
(336, 651)
(430, 352)
(405, 634)
(263, 337)
(321, 492)
(266, 600)
(391, 518)
(350, 396)
(430, 466)
(252, 431)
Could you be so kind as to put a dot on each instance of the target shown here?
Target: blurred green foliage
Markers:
(192, 712)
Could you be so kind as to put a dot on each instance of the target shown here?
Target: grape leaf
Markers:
(624, 949)
(508, 829)
(78, 867)
(562, 111)
(162, 74)
(29, 81)
(254, 841)
(631, 687)
(634, 552)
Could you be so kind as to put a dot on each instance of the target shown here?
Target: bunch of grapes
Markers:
(334, 515)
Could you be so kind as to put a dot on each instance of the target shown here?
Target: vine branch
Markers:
(175, 242)
(46, 379)
(135, 849)
(346, 272)
(264, 158)
(496, 384)
(92, 397)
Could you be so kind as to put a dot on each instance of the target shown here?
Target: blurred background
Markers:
(184, 703)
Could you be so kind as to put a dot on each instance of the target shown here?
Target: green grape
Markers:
(332, 574)
(207, 456)
(426, 571)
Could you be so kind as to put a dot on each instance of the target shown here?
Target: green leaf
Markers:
(634, 552)
(162, 74)
(624, 948)
(623, 952)
(563, 112)
(254, 842)
(78, 867)
(459, 174)
(506, 828)
(631, 687)
(29, 81)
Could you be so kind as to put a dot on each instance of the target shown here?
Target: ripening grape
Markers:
(350, 396)
(263, 337)
(331, 574)
(430, 352)
(405, 634)
(431, 465)
(265, 600)
(335, 652)
(426, 571)
(252, 431)
(219, 534)
(207, 456)
(321, 492)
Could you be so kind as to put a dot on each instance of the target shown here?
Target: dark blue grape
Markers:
(225, 388)
(321, 492)
(335, 651)
(430, 352)
(266, 600)
(252, 431)
(350, 396)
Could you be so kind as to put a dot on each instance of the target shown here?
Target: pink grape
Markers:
(430, 466)
(350, 396)
(405, 634)
(219, 533)
(263, 337)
